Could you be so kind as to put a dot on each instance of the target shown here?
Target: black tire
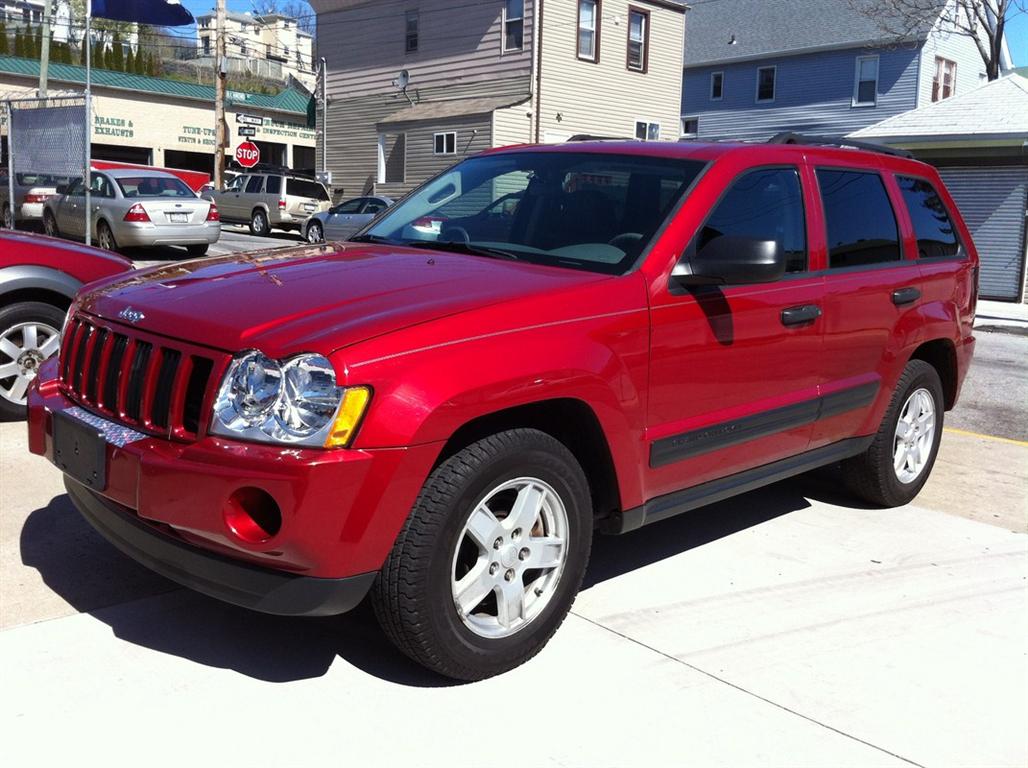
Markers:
(197, 250)
(8, 218)
(871, 475)
(259, 224)
(50, 224)
(412, 596)
(10, 316)
(105, 237)
(315, 233)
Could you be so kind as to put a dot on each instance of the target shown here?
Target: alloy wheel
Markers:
(314, 234)
(914, 437)
(23, 348)
(509, 557)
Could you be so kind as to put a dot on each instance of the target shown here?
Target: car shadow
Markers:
(145, 609)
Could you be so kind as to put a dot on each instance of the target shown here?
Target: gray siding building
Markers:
(754, 68)
(415, 85)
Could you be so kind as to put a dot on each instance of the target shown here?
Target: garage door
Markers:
(992, 202)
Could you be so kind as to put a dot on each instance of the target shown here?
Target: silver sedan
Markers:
(345, 219)
(135, 209)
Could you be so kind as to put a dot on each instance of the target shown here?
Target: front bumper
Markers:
(341, 510)
(260, 589)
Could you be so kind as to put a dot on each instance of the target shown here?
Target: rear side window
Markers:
(304, 188)
(766, 204)
(274, 185)
(254, 184)
(936, 236)
(374, 206)
(859, 217)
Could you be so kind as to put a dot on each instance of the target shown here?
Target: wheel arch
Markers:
(569, 420)
(941, 354)
(35, 283)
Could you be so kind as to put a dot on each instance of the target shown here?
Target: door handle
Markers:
(807, 313)
(905, 295)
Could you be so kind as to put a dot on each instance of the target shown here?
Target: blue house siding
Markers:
(813, 94)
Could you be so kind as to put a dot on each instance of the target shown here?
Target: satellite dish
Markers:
(402, 80)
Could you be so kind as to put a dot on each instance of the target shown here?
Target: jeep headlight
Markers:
(294, 401)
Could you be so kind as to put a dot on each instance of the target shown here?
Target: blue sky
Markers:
(1017, 26)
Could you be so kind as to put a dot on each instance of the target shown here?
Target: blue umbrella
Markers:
(161, 13)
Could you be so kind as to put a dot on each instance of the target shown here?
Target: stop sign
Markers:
(248, 154)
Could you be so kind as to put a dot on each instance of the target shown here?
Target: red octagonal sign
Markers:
(248, 154)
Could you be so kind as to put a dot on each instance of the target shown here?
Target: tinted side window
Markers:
(374, 206)
(350, 206)
(274, 185)
(763, 205)
(936, 236)
(254, 184)
(859, 217)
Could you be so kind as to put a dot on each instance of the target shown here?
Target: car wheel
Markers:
(50, 225)
(197, 250)
(259, 223)
(892, 471)
(315, 234)
(105, 237)
(29, 335)
(8, 218)
(491, 557)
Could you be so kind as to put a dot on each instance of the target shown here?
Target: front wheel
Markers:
(314, 233)
(892, 471)
(491, 557)
(29, 336)
(50, 225)
(8, 218)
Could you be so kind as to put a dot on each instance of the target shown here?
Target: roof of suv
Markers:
(710, 151)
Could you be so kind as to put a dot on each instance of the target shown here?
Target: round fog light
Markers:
(252, 515)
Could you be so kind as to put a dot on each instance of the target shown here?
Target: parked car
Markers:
(135, 209)
(39, 277)
(271, 198)
(443, 420)
(345, 219)
(30, 192)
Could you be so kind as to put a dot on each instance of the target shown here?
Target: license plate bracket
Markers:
(310, 207)
(178, 218)
(80, 451)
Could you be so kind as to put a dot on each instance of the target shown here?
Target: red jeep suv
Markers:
(539, 342)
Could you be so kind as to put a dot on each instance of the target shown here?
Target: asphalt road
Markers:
(234, 239)
(994, 399)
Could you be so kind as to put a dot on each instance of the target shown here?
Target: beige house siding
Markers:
(363, 43)
(606, 98)
(513, 125)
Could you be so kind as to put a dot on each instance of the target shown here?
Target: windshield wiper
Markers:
(469, 248)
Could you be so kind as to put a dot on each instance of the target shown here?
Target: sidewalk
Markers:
(1003, 314)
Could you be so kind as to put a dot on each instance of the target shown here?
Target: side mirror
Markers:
(62, 189)
(731, 260)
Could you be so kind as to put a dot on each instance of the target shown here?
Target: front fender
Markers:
(35, 277)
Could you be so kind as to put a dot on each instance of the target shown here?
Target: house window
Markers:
(513, 25)
(445, 143)
(766, 83)
(647, 131)
(411, 43)
(717, 85)
(945, 81)
(589, 30)
(207, 46)
(638, 39)
(690, 127)
(865, 85)
(392, 158)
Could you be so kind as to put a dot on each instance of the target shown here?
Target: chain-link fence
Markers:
(47, 147)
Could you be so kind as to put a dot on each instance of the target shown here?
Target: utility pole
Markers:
(44, 57)
(220, 71)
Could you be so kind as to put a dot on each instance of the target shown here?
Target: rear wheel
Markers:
(197, 250)
(259, 223)
(105, 237)
(490, 560)
(50, 224)
(892, 471)
(315, 234)
(29, 335)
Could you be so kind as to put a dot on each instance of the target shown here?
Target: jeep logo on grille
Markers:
(132, 315)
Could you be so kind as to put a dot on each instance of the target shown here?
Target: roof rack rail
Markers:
(591, 137)
(788, 137)
(269, 168)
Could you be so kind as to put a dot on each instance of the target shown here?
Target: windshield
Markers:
(154, 186)
(592, 211)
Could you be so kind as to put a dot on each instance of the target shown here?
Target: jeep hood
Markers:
(314, 298)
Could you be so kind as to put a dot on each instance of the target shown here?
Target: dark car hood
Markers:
(315, 298)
